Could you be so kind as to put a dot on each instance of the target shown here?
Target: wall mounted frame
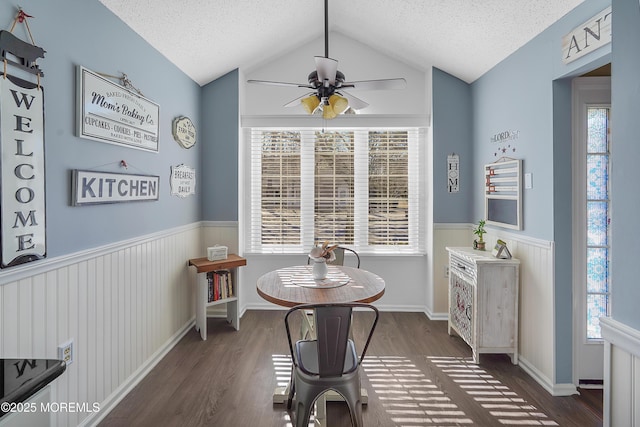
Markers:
(503, 193)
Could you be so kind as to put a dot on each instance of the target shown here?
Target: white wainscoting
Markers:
(124, 305)
(621, 374)
(536, 326)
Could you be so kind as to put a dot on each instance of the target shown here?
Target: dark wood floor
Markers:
(416, 375)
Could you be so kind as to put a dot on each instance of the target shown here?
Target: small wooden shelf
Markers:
(204, 266)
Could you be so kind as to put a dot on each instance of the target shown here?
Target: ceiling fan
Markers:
(328, 84)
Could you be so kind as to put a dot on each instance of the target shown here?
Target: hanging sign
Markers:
(453, 173)
(110, 113)
(91, 188)
(183, 181)
(184, 132)
(587, 37)
(22, 147)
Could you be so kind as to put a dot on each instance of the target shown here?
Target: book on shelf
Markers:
(220, 285)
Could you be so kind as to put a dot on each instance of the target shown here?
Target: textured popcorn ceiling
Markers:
(208, 38)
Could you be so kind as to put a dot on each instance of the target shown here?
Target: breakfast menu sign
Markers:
(110, 113)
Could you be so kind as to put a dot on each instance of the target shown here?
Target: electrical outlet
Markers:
(65, 352)
(446, 271)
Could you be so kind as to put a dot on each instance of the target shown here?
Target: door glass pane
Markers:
(597, 213)
(597, 270)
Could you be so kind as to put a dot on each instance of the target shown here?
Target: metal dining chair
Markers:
(328, 362)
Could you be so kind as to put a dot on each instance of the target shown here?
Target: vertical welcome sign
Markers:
(22, 193)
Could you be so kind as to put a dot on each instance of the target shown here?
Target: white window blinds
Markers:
(362, 188)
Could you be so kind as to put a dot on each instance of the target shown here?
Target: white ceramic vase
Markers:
(319, 269)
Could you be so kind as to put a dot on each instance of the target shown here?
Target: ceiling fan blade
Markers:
(384, 84)
(354, 102)
(296, 102)
(326, 68)
(267, 82)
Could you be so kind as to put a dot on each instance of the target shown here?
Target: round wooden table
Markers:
(293, 286)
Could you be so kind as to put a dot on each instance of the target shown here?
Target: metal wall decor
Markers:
(111, 113)
(453, 173)
(22, 180)
(184, 132)
(183, 181)
(91, 187)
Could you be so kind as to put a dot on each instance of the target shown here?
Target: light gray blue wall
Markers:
(530, 92)
(86, 33)
(452, 133)
(625, 174)
(220, 124)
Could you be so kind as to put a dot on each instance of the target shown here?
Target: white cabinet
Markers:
(483, 301)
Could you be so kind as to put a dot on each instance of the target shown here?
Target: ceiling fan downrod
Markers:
(326, 28)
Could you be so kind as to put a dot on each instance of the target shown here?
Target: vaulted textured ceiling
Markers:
(208, 38)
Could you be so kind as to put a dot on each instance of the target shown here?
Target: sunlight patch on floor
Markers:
(505, 405)
(408, 396)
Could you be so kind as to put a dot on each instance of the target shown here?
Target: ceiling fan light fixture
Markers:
(338, 103)
(328, 113)
(310, 103)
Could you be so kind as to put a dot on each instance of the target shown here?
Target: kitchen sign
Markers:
(110, 113)
(91, 188)
(22, 198)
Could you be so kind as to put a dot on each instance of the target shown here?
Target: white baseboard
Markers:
(397, 308)
(546, 383)
(436, 316)
(134, 379)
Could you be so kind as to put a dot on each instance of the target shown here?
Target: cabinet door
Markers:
(497, 320)
(461, 307)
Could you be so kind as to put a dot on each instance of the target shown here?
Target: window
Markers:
(357, 187)
(597, 210)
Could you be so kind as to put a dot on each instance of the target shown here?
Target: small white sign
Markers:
(587, 37)
(90, 188)
(184, 132)
(183, 181)
(453, 173)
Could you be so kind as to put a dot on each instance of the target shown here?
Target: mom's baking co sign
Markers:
(108, 112)
(22, 198)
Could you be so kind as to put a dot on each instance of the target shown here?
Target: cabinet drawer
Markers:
(463, 267)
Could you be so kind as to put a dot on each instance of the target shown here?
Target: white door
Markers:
(591, 225)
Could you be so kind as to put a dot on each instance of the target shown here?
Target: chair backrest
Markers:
(339, 254)
(333, 325)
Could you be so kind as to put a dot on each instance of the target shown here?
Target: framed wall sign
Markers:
(22, 179)
(453, 173)
(108, 112)
(92, 188)
(183, 181)
(184, 132)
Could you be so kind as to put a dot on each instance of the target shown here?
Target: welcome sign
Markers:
(22, 158)
(108, 112)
